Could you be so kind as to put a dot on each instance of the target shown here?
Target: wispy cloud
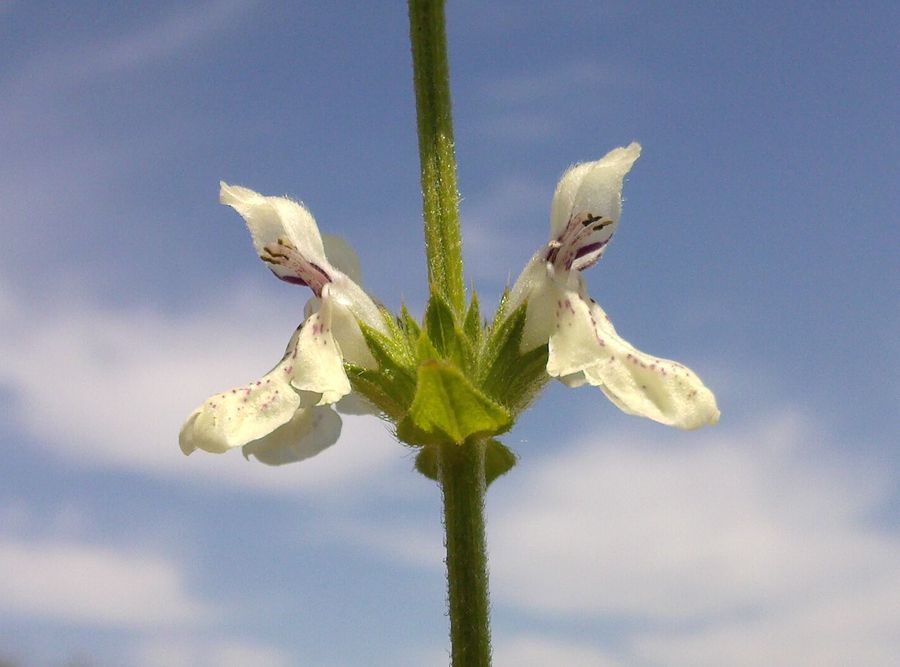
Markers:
(66, 174)
(846, 622)
(559, 82)
(180, 652)
(530, 106)
(169, 35)
(749, 547)
(516, 126)
(538, 651)
(405, 543)
(527, 650)
(101, 387)
(503, 226)
(735, 524)
(87, 584)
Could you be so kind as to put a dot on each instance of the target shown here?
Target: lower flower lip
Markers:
(591, 247)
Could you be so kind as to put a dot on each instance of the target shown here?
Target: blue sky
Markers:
(758, 245)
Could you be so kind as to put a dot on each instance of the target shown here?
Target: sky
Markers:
(758, 245)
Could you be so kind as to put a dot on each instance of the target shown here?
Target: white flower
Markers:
(582, 343)
(286, 415)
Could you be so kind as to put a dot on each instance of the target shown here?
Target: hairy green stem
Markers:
(440, 194)
(461, 475)
(460, 468)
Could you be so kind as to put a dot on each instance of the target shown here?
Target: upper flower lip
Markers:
(271, 218)
(593, 187)
(583, 345)
(287, 239)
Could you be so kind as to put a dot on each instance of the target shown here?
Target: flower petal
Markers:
(272, 218)
(593, 188)
(316, 364)
(243, 414)
(354, 298)
(308, 433)
(537, 286)
(350, 338)
(586, 348)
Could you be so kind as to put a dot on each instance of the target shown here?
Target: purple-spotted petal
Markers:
(244, 414)
(308, 433)
(316, 364)
(586, 349)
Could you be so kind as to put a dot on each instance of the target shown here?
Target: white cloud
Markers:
(64, 174)
(532, 651)
(153, 42)
(175, 652)
(529, 106)
(526, 651)
(87, 584)
(748, 547)
(504, 226)
(839, 627)
(404, 543)
(726, 525)
(521, 126)
(101, 387)
(758, 539)
(560, 82)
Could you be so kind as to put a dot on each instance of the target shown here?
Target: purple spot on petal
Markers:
(293, 280)
(589, 248)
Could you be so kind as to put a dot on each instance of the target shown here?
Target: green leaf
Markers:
(410, 326)
(500, 315)
(394, 330)
(498, 460)
(440, 325)
(390, 353)
(392, 386)
(448, 408)
(392, 394)
(425, 349)
(427, 461)
(449, 340)
(472, 325)
(509, 376)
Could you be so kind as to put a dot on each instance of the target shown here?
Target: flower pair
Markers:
(286, 415)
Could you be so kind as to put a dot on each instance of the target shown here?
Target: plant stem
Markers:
(440, 194)
(460, 468)
(461, 475)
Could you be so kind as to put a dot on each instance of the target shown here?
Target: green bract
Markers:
(446, 381)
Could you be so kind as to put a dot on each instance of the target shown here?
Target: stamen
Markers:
(581, 243)
(584, 250)
(289, 264)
